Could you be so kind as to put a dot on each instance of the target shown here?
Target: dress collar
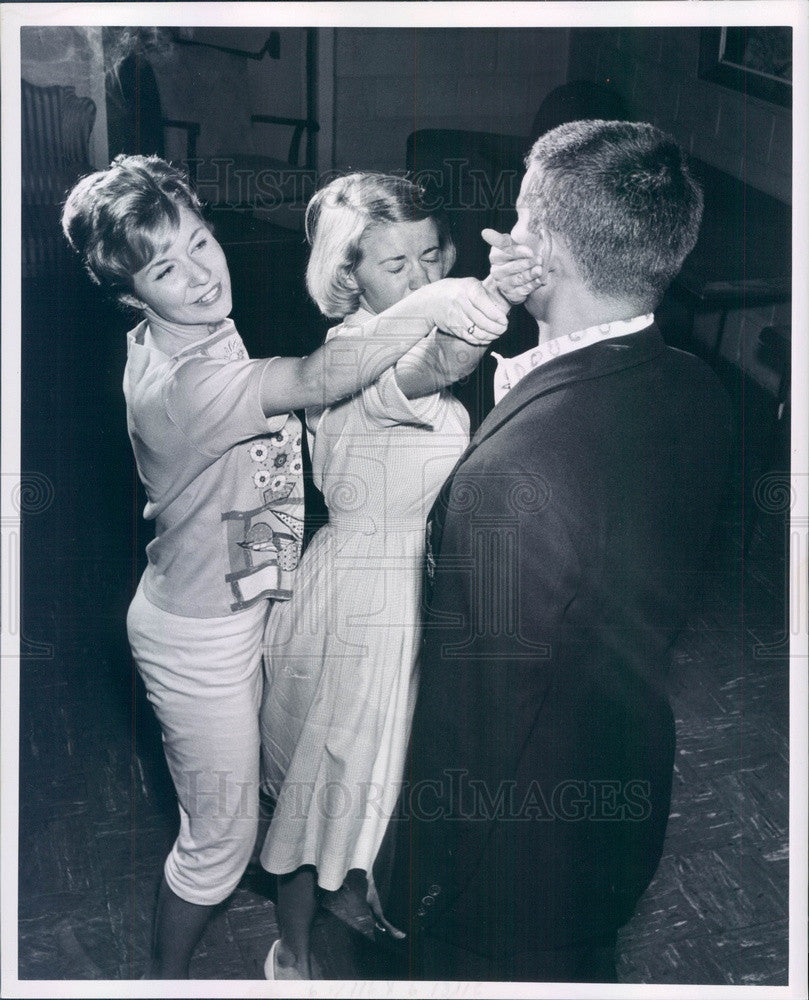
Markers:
(357, 318)
(182, 336)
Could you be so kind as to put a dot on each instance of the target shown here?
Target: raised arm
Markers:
(346, 364)
(443, 359)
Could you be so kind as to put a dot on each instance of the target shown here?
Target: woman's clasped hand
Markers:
(464, 308)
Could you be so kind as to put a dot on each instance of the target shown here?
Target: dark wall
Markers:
(656, 72)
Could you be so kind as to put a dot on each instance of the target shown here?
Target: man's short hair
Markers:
(621, 195)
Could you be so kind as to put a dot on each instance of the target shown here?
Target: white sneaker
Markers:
(272, 970)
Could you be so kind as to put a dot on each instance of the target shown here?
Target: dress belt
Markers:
(367, 526)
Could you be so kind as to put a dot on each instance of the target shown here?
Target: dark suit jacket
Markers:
(563, 551)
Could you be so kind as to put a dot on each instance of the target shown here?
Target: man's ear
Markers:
(546, 248)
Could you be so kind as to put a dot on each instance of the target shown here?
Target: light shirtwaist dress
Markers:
(341, 656)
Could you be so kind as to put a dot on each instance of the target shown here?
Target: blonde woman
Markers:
(342, 656)
(217, 450)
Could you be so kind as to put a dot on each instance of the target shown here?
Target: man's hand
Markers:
(514, 268)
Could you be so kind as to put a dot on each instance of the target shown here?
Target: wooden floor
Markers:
(97, 814)
(97, 809)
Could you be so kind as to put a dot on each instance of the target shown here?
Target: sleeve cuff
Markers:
(277, 421)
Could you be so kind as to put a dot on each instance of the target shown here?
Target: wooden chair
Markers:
(135, 119)
(263, 185)
(246, 181)
(257, 183)
(55, 137)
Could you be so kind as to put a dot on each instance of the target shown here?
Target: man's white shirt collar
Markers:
(510, 370)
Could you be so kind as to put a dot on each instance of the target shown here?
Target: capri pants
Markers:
(203, 676)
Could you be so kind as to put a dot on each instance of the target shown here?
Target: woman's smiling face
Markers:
(187, 281)
(397, 258)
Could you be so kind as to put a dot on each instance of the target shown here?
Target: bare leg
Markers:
(178, 928)
(297, 906)
(383, 924)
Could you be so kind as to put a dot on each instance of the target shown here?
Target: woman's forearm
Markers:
(442, 359)
(346, 364)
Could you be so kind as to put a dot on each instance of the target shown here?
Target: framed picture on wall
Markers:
(756, 60)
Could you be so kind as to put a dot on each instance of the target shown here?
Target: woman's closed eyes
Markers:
(199, 245)
(429, 257)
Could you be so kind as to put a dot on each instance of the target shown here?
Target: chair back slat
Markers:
(56, 129)
(78, 118)
(55, 137)
(42, 145)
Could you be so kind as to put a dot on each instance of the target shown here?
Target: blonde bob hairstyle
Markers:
(336, 219)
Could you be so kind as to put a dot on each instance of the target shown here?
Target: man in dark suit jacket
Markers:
(562, 554)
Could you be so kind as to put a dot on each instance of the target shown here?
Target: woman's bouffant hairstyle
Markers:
(621, 195)
(336, 218)
(118, 219)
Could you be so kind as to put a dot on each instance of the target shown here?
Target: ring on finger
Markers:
(471, 329)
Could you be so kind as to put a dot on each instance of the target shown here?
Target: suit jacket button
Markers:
(420, 912)
(427, 900)
(434, 890)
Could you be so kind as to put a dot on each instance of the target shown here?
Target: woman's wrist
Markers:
(493, 290)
